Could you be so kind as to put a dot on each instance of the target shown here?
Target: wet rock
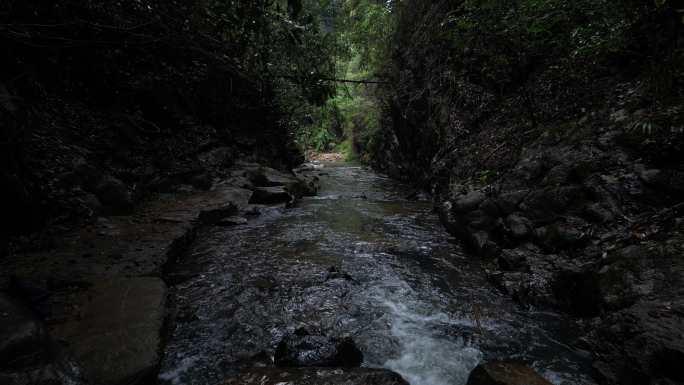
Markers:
(417, 195)
(558, 175)
(335, 273)
(627, 275)
(162, 184)
(544, 205)
(214, 215)
(527, 288)
(217, 158)
(505, 373)
(677, 181)
(598, 213)
(202, 181)
(302, 349)
(483, 245)
(490, 207)
(528, 275)
(116, 336)
(577, 291)
(252, 211)
(59, 372)
(232, 221)
(479, 219)
(23, 339)
(254, 176)
(452, 222)
(642, 343)
(508, 202)
(114, 195)
(316, 376)
(270, 195)
(620, 116)
(88, 175)
(221, 196)
(653, 177)
(559, 236)
(512, 259)
(307, 185)
(268, 177)
(468, 202)
(91, 203)
(519, 226)
(529, 169)
(264, 283)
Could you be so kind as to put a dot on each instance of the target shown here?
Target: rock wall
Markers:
(561, 172)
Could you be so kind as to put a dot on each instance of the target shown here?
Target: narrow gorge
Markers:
(342, 192)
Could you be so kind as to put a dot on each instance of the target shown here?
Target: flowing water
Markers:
(415, 303)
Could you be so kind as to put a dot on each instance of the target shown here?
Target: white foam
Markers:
(425, 359)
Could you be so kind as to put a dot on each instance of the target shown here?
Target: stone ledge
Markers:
(115, 333)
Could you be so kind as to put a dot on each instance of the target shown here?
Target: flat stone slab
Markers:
(99, 290)
(210, 206)
(271, 195)
(316, 376)
(115, 335)
(136, 245)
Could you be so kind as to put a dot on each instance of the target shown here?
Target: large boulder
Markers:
(505, 373)
(316, 376)
(302, 349)
(519, 226)
(270, 195)
(468, 202)
(268, 177)
(298, 185)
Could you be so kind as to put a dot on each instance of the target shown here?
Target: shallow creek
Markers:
(416, 303)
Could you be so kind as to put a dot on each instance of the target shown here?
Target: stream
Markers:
(412, 300)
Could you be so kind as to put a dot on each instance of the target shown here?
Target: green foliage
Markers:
(346, 148)
(358, 31)
(366, 26)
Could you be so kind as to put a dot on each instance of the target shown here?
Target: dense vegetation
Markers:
(450, 65)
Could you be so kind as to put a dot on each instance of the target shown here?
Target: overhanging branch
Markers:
(362, 81)
(354, 81)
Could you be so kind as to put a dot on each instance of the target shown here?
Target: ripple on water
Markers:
(410, 305)
(428, 360)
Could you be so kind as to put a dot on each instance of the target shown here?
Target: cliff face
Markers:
(103, 104)
(551, 136)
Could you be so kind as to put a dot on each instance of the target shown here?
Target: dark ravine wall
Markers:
(558, 162)
(105, 104)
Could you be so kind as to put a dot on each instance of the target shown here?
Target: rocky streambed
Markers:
(364, 274)
(259, 281)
